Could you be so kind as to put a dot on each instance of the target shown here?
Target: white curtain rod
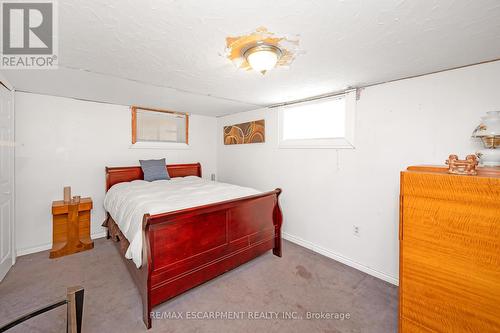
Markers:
(314, 98)
(358, 89)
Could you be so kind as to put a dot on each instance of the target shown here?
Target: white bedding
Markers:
(128, 202)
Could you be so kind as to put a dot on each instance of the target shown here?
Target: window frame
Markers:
(157, 144)
(346, 142)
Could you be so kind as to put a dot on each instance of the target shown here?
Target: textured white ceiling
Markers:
(170, 53)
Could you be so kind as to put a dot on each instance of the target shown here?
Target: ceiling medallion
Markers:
(261, 50)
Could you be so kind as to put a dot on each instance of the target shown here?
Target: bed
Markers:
(183, 248)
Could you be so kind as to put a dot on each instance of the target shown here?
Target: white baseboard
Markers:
(48, 246)
(97, 235)
(335, 256)
(34, 249)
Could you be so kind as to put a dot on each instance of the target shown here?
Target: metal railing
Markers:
(74, 300)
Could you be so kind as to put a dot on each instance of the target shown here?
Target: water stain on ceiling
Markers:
(237, 45)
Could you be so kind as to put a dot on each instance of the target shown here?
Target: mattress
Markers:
(127, 203)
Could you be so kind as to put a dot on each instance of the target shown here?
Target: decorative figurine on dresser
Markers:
(71, 225)
(449, 248)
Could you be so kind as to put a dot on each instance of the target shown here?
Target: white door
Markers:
(6, 180)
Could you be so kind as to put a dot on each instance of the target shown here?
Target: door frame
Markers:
(5, 84)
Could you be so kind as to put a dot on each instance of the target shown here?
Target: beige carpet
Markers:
(258, 291)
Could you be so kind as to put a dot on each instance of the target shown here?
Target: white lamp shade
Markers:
(262, 60)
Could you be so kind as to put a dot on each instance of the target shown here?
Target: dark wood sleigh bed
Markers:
(185, 248)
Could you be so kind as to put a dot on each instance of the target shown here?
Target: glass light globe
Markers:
(489, 133)
(263, 57)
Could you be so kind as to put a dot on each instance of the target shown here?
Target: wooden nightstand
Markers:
(71, 227)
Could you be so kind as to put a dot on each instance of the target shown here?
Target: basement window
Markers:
(153, 128)
(323, 123)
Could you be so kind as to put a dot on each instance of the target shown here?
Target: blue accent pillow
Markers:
(154, 169)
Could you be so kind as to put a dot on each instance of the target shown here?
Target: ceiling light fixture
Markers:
(263, 57)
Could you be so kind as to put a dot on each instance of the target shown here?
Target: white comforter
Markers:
(128, 202)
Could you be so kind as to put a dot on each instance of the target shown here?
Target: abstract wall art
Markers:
(250, 132)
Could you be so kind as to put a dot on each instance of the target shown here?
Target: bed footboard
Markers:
(183, 249)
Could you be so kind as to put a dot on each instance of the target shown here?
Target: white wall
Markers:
(325, 192)
(64, 141)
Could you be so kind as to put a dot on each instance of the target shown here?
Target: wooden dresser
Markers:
(449, 251)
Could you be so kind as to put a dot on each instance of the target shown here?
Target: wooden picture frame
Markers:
(134, 120)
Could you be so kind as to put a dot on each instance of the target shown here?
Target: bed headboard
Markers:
(115, 175)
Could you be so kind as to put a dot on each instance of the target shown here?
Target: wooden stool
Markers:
(71, 227)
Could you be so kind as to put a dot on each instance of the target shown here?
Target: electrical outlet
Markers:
(355, 230)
